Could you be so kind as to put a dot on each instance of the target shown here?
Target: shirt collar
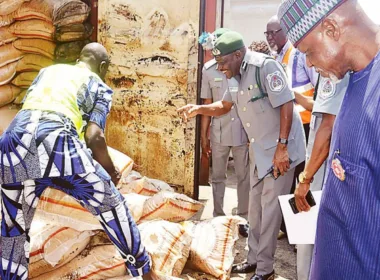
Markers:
(281, 55)
(245, 62)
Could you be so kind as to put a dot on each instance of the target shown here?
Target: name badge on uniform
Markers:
(218, 79)
(312, 122)
(233, 89)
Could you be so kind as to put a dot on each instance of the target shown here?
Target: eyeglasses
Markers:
(272, 32)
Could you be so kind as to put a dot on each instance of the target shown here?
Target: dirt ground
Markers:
(285, 266)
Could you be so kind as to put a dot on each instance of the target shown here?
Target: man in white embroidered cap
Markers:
(338, 37)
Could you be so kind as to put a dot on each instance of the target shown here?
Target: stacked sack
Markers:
(173, 242)
(34, 34)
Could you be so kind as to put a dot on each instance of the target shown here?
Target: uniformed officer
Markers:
(326, 107)
(265, 105)
(226, 134)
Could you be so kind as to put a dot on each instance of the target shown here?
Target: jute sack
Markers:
(7, 74)
(69, 52)
(6, 36)
(7, 114)
(25, 79)
(9, 6)
(9, 54)
(33, 62)
(34, 28)
(143, 186)
(68, 12)
(171, 207)
(7, 94)
(55, 246)
(168, 245)
(101, 262)
(36, 46)
(74, 32)
(212, 249)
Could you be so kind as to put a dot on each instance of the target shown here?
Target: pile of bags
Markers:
(34, 34)
(68, 243)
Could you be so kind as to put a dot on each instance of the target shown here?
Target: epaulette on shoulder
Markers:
(257, 59)
(209, 64)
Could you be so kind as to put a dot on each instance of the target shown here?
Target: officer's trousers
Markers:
(265, 217)
(220, 156)
(95, 192)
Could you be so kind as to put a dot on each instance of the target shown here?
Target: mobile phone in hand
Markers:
(309, 198)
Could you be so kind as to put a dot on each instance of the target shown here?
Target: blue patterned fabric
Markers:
(42, 147)
(95, 192)
(347, 244)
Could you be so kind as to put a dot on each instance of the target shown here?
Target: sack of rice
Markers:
(33, 28)
(168, 245)
(35, 9)
(143, 186)
(33, 62)
(7, 73)
(171, 207)
(55, 246)
(25, 79)
(20, 98)
(74, 32)
(101, 262)
(123, 162)
(7, 94)
(7, 114)
(69, 52)
(135, 204)
(61, 209)
(9, 54)
(6, 36)
(198, 276)
(36, 46)
(7, 20)
(212, 249)
(9, 6)
(68, 12)
(125, 180)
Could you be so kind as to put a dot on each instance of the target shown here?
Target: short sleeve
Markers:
(95, 102)
(275, 83)
(330, 96)
(205, 89)
(227, 96)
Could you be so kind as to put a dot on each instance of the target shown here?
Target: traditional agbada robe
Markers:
(348, 233)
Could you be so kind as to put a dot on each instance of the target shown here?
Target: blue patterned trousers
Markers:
(95, 192)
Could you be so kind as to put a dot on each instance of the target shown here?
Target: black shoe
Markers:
(269, 276)
(243, 268)
(243, 230)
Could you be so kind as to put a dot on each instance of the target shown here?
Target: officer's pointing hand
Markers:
(188, 111)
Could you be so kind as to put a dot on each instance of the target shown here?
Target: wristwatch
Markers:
(282, 141)
(303, 180)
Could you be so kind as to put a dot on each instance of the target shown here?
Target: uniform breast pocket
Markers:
(216, 92)
(258, 106)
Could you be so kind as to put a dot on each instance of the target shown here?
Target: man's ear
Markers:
(103, 67)
(331, 29)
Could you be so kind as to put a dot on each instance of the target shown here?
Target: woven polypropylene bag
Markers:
(213, 246)
(168, 245)
(171, 207)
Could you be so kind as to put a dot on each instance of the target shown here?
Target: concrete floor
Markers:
(285, 266)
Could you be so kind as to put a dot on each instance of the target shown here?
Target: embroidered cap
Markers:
(299, 17)
(227, 43)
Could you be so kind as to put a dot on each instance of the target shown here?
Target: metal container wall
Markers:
(154, 57)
